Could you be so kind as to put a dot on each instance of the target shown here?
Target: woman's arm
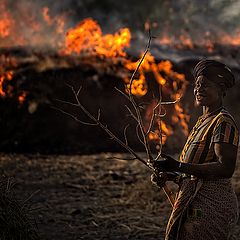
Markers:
(223, 168)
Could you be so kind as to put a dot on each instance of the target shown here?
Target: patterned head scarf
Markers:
(216, 72)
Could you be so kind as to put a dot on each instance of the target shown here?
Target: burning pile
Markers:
(86, 44)
(85, 47)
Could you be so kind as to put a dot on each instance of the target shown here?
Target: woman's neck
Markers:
(207, 110)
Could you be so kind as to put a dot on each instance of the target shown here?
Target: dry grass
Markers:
(16, 220)
(91, 197)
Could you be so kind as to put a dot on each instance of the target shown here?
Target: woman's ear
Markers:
(222, 91)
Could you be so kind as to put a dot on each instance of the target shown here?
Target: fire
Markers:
(5, 21)
(181, 118)
(165, 39)
(139, 86)
(29, 28)
(57, 21)
(148, 65)
(3, 77)
(230, 40)
(5, 24)
(173, 84)
(208, 41)
(161, 137)
(87, 38)
(6, 74)
(186, 41)
(22, 97)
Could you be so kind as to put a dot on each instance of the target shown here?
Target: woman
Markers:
(206, 205)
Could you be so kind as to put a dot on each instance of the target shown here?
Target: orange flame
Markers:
(165, 39)
(161, 137)
(186, 41)
(139, 86)
(5, 21)
(164, 74)
(4, 76)
(208, 42)
(58, 21)
(148, 65)
(231, 39)
(87, 38)
(27, 28)
(22, 97)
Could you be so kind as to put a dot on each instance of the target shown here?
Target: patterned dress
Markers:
(205, 209)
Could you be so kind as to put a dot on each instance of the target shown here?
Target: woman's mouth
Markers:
(200, 96)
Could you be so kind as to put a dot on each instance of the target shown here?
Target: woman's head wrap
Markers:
(216, 72)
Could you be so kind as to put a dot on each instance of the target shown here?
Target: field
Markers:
(92, 196)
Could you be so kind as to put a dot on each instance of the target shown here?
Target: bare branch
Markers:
(131, 113)
(159, 123)
(124, 94)
(68, 85)
(79, 90)
(136, 107)
(140, 62)
(139, 138)
(125, 134)
(125, 159)
(143, 104)
(74, 117)
(171, 102)
(99, 114)
(153, 118)
(160, 115)
(67, 102)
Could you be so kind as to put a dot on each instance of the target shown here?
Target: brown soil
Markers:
(92, 197)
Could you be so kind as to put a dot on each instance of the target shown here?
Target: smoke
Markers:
(194, 18)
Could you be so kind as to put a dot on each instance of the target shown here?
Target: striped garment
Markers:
(219, 128)
(205, 209)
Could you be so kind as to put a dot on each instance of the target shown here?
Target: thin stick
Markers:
(135, 106)
(125, 134)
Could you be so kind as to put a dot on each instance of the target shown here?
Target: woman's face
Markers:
(207, 93)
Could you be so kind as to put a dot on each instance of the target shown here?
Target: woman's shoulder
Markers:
(226, 130)
(225, 116)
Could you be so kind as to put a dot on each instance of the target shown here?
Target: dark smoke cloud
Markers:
(205, 14)
(193, 17)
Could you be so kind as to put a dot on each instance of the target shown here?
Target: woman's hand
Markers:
(167, 165)
(159, 179)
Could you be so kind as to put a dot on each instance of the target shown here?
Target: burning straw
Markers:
(16, 220)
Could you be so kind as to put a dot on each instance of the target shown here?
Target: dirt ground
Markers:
(92, 196)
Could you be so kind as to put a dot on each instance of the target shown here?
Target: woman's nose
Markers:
(198, 87)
